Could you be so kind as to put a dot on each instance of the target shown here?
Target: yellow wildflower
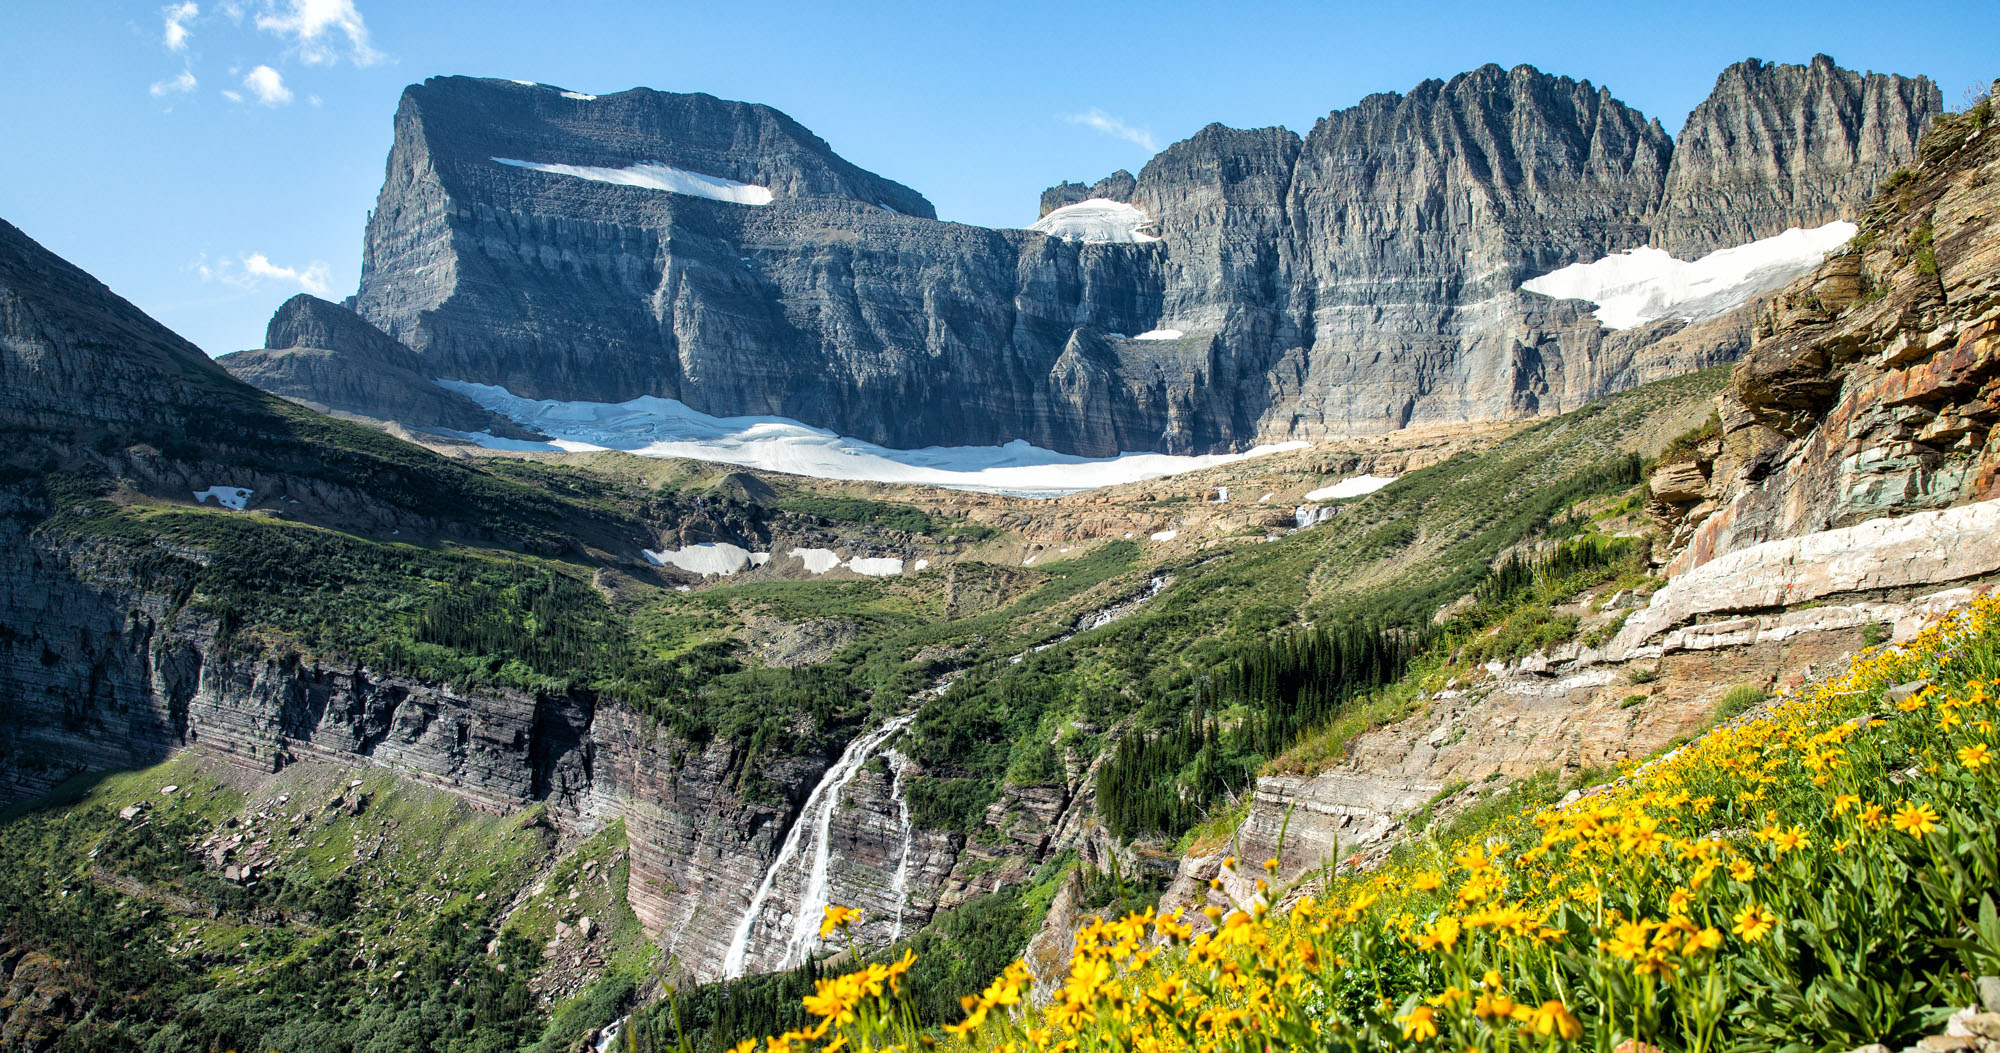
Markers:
(1419, 1024)
(1916, 819)
(1754, 922)
(837, 917)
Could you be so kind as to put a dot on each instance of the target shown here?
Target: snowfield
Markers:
(657, 427)
(234, 498)
(821, 560)
(1098, 221)
(1647, 284)
(708, 558)
(1354, 487)
(656, 176)
(1160, 334)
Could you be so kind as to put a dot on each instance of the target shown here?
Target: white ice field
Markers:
(1646, 284)
(660, 427)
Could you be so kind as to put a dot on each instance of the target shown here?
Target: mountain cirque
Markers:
(1359, 279)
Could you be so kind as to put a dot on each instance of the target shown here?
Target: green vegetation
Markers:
(170, 957)
(884, 515)
(1273, 654)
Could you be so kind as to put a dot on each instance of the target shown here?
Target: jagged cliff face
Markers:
(1417, 218)
(1876, 385)
(1778, 146)
(1360, 279)
(325, 355)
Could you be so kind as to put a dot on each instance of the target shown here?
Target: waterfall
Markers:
(816, 816)
(607, 1040)
(899, 764)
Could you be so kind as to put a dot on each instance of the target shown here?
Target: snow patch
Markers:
(654, 175)
(876, 566)
(818, 560)
(1160, 334)
(1354, 487)
(1166, 535)
(579, 96)
(1097, 221)
(708, 558)
(821, 560)
(658, 427)
(921, 565)
(1647, 284)
(234, 498)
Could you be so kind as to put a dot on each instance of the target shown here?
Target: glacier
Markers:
(660, 427)
(1646, 284)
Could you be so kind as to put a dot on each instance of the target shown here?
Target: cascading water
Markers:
(608, 1039)
(817, 819)
(898, 765)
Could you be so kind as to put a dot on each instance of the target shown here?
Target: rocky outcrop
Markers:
(1360, 279)
(1901, 552)
(325, 355)
(1778, 146)
(1876, 385)
(1118, 186)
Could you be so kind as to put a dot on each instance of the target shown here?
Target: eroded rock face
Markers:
(1359, 279)
(698, 845)
(1876, 383)
(1778, 146)
(323, 353)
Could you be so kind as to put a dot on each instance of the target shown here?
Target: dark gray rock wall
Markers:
(326, 355)
(1361, 278)
(1778, 146)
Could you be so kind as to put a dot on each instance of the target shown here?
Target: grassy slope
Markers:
(294, 585)
(1818, 876)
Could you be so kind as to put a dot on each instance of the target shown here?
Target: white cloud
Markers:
(312, 279)
(251, 270)
(269, 88)
(231, 96)
(1112, 126)
(177, 16)
(314, 26)
(173, 85)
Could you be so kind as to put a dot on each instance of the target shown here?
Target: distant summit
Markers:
(1247, 285)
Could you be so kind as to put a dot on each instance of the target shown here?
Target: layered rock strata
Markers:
(1362, 278)
(104, 664)
(370, 374)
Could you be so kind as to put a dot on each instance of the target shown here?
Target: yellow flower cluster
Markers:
(1823, 874)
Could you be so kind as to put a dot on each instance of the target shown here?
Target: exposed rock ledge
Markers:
(1580, 708)
(1928, 548)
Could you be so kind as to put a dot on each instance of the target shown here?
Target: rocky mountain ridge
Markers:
(1843, 495)
(1358, 279)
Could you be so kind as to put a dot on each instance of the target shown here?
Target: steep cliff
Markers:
(1778, 146)
(1875, 386)
(1360, 279)
(323, 353)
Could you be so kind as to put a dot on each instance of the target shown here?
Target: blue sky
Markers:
(209, 158)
